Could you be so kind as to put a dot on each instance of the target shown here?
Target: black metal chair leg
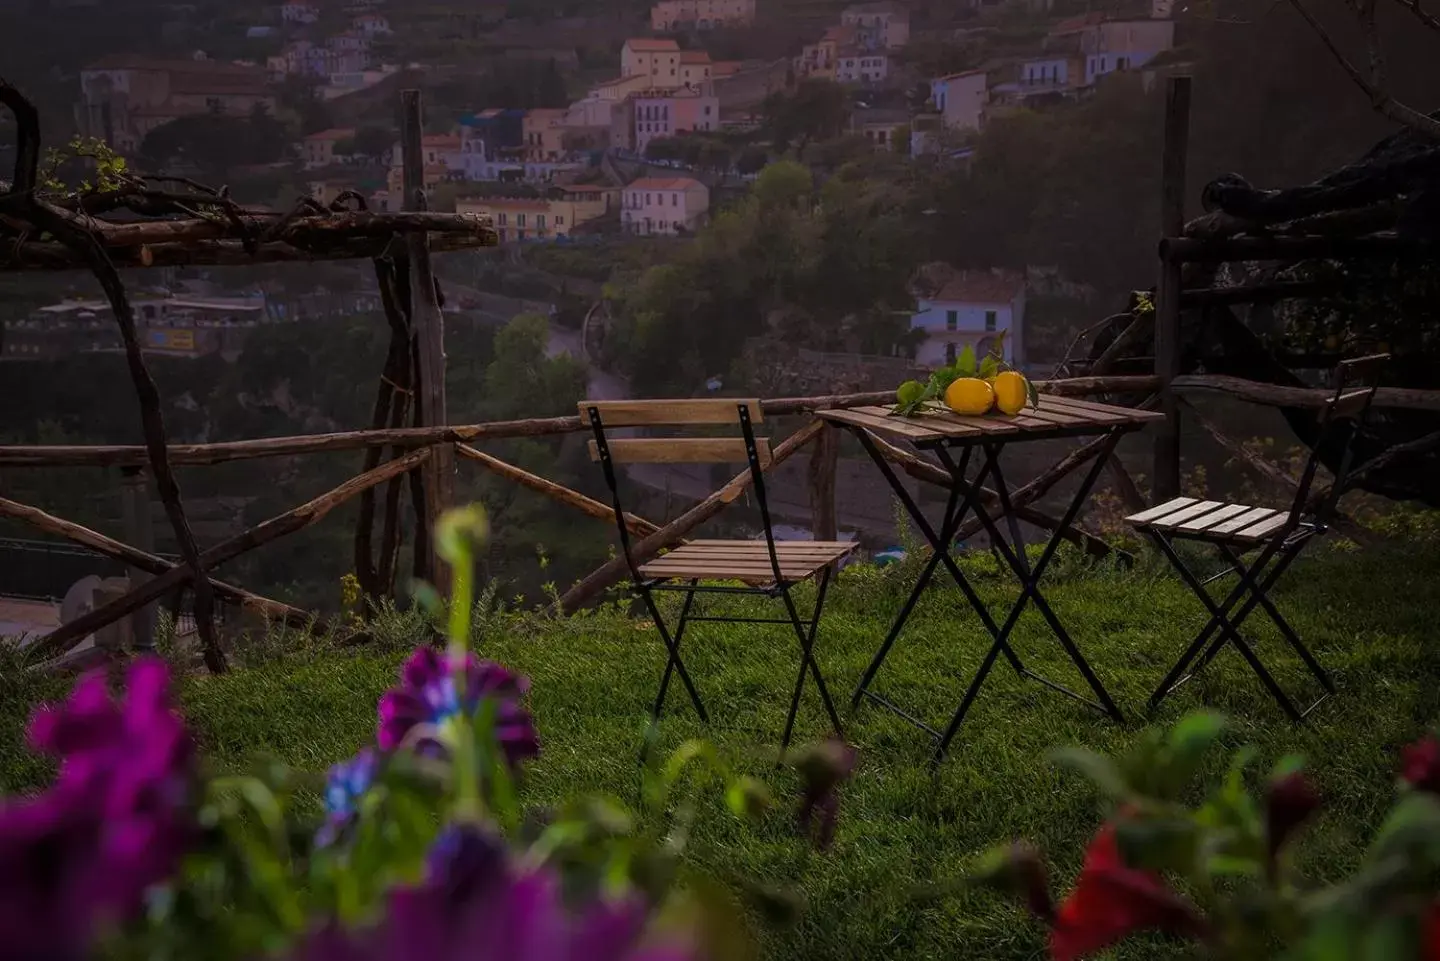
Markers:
(1279, 560)
(674, 652)
(1237, 567)
(1177, 674)
(1286, 631)
(821, 590)
(671, 661)
(807, 663)
(1227, 626)
(1273, 686)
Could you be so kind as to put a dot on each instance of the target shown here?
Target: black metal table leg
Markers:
(1029, 577)
(940, 547)
(969, 496)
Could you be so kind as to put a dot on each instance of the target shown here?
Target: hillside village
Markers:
(649, 142)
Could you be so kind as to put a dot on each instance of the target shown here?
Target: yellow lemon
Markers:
(1012, 392)
(969, 395)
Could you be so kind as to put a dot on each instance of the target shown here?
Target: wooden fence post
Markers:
(429, 326)
(1167, 292)
(824, 461)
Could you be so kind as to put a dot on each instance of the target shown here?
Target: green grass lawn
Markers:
(1368, 615)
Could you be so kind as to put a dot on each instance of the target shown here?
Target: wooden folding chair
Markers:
(764, 567)
(1236, 530)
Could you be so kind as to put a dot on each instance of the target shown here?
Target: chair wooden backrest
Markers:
(606, 415)
(1341, 419)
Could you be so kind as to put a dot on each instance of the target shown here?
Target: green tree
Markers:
(216, 142)
(815, 110)
(523, 381)
(751, 160)
(374, 142)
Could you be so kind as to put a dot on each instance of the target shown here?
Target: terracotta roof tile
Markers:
(335, 133)
(664, 183)
(1076, 24)
(981, 287)
(651, 45)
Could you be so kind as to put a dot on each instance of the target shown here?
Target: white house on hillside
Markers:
(960, 99)
(861, 66)
(1117, 45)
(663, 205)
(969, 311)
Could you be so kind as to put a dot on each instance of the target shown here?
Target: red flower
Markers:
(1289, 803)
(1111, 900)
(1422, 764)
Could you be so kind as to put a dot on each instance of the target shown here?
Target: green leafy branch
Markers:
(915, 399)
(111, 169)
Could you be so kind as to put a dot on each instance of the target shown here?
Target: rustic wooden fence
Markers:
(399, 452)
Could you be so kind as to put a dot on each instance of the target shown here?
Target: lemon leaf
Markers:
(965, 365)
(1032, 393)
(989, 367)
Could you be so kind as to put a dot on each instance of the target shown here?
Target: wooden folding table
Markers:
(946, 435)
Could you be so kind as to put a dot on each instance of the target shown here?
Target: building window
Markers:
(520, 221)
(949, 353)
(559, 220)
(503, 219)
(674, 200)
(952, 319)
(990, 320)
(540, 221)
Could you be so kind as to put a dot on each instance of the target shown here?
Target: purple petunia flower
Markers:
(477, 906)
(115, 823)
(427, 695)
(346, 784)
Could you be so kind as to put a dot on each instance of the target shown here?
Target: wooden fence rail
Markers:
(651, 538)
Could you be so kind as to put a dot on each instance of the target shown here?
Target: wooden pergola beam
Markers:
(43, 255)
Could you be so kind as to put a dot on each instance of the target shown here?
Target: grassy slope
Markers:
(1367, 615)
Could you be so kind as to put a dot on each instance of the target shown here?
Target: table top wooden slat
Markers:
(1054, 415)
(1103, 411)
(880, 419)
